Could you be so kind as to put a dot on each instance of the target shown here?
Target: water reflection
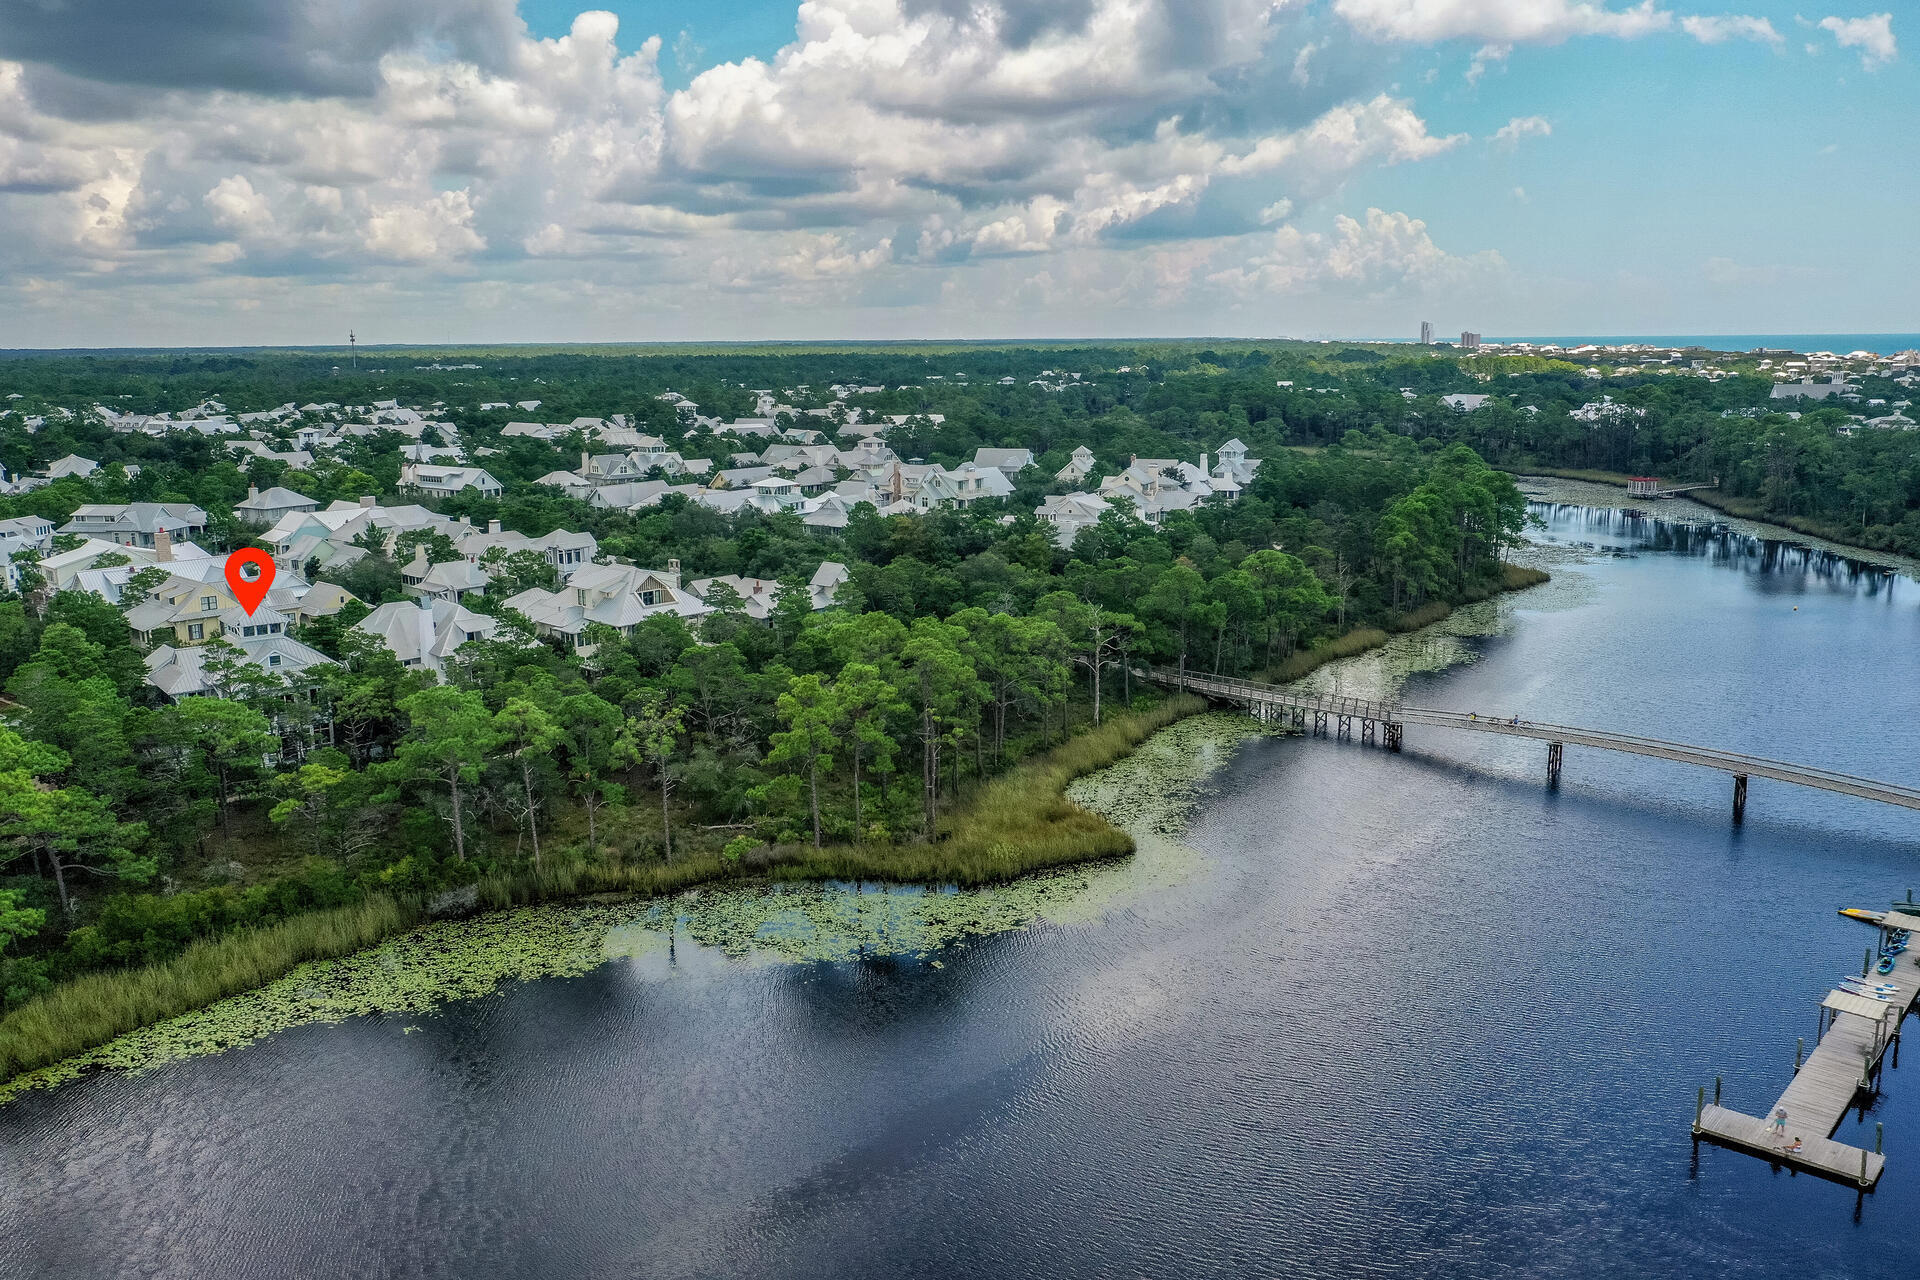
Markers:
(1630, 530)
(1404, 1014)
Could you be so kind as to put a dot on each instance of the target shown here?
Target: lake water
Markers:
(1412, 1015)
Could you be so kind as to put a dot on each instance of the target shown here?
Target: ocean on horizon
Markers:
(1840, 343)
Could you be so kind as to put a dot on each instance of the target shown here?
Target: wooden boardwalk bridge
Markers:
(1383, 722)
(1857, 1031)
(1650, 487)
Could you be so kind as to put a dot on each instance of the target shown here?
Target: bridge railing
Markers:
(1394, 712)
(1274, 696)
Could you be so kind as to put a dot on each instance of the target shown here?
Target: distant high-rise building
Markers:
(1470, 340)
(1426, 333)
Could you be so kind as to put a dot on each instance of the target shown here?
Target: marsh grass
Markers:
(1306, 661)
(89, 1011)
(1018, 822)
(1513, 577)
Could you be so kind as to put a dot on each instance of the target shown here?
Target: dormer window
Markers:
(273, 659)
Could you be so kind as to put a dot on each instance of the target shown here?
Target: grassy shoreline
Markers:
(1513, 577)
(1738, 508)
(1014, 824)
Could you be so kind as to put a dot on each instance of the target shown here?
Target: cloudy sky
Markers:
(213, 172)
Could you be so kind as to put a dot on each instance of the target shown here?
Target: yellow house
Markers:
(181, 611)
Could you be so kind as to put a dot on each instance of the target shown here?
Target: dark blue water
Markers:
(1419, 1016)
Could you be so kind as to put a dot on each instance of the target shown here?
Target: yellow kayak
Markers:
(1864, 917)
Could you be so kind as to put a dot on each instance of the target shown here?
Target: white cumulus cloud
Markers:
(1872, 36)
(1384, 253)
(1500, 21)
(1508, 136)
(437, 229)
(1719, 30)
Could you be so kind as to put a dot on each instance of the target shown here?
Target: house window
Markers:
(209, 603)
(273, 659)
(646, 597)
(196, 631)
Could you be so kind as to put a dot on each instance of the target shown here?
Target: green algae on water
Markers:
(1149, 794)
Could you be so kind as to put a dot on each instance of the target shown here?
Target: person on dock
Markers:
(1794, 1150)
(1780, 1123)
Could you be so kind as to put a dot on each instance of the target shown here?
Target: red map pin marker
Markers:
(250, 591)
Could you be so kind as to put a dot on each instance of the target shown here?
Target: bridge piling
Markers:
(1391, 716)
(1739, 798)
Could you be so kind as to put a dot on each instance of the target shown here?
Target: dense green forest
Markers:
(964, 641)
(1864, 486)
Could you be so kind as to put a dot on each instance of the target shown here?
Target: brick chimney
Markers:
(162, 545)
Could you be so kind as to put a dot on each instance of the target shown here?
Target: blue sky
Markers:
(473, 170)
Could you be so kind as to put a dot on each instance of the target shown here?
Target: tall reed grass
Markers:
(89, 1011)
(1019, 822)
(1016, 823)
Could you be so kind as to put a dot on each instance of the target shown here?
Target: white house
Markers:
(1078, 467)
(1066, 514)
(181, 672)
(426, 632)
(136, 524)
(1010, 461)
(620, 596)
(71, 465)
(446, 481)
(270, 506)
(757, 595)
(448, 580)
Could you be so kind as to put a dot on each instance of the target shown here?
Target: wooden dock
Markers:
(1844, 1063)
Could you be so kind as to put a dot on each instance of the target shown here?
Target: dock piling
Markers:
(1555, 752)
(1739, 798)
(1834, 1074)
